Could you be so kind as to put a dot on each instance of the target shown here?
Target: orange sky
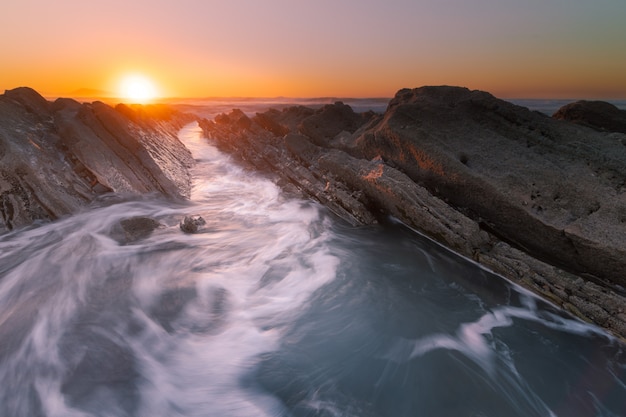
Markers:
(366, 48)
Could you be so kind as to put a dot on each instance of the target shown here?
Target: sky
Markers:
(315, 48)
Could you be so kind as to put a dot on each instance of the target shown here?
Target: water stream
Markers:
(278, 309)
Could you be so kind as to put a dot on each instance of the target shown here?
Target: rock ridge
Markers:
(59, 156)
(538, 200)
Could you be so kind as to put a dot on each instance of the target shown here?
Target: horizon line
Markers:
(107, 96)
(164, 100)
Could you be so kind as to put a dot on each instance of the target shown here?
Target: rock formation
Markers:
(57, 157)
(599, 115)
(133, 229)
(538, 200)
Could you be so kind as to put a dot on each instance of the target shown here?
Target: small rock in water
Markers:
(133, 229)
(191, 224)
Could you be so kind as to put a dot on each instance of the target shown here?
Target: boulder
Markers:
(329, 121)
(192, 224)
(133, 229)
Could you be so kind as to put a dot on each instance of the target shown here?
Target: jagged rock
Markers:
(537, 200)
(57, 157)
(267, 121)
(329, 121)
(599, 115)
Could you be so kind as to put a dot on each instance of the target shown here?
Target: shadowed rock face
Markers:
(539, 200)
(57, 157)
(599, 115)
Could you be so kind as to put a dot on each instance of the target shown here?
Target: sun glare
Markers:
(137, 89)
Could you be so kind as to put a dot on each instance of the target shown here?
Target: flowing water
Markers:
(278, 309)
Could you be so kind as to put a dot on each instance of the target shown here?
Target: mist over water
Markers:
(278, 309)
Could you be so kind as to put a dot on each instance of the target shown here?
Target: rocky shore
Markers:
(56, 157)
(539, 200)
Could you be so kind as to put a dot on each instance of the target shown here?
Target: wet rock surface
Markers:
(538, 200)
(134, 229)
(192, 224)
(56, 157)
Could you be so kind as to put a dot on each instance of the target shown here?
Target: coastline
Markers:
(434, 159)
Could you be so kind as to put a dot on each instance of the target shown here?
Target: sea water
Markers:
(277, 308)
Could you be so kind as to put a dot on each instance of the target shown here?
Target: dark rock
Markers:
(269, 123)
(599, 115)
(301, 147)
(135, 228)
(57, 157)
(391, 192)
(192, 224)
(329, 121)
(236, 118)
(291, 117)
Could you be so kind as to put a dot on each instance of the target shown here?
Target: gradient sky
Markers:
(357, 48)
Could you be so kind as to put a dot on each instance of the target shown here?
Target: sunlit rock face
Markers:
(599, 115)
(57, 157)
(539, 200)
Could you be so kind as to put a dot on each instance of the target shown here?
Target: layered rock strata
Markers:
(538, 200)
(55, 157)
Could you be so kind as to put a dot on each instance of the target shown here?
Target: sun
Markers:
(137, 88)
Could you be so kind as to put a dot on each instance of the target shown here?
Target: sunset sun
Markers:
(137, 89)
